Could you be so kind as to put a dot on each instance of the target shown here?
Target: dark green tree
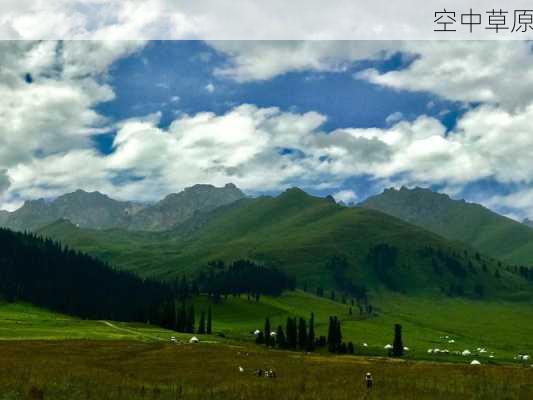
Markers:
(291, 332)
(280, 338)
(190, 319)
(351, 349)
(311, 334)
(397, 345)
(209, 329)
(267, 332)
(302, 333)
(201, 325)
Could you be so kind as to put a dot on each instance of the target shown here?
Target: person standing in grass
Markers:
(369, 380)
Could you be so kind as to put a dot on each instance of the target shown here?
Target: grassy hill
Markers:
(490, 233)
(300, 234)
(20, 321)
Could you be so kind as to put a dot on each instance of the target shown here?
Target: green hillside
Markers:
(20, 321)
(490, 233)
(300, 234)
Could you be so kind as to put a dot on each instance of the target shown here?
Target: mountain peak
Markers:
(471, 223)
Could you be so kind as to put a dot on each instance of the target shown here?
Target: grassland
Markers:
(503, 329)
(25, 322)
(499, 327)
(134, 370)
(60, 357)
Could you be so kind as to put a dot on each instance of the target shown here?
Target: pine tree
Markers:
(302, 333)
(182, 319)
(351, 349)
(311, 334)
(260, 338)
(267, 332)
(280, 338)
(397, 345)
(201, 326)
(190, 319)
(291, 333)
(331, 335)
(209, 329)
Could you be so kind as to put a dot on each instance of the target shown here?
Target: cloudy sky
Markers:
(138, 120)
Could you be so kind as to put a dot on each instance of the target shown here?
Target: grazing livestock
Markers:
(388, 346)
(475, 362)
(194, 339)
(466, 353)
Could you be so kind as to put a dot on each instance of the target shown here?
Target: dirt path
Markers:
(131, 331)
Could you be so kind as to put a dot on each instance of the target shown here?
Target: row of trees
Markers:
(182, 318)
(298, 334)
(243, 277)
(301, 335)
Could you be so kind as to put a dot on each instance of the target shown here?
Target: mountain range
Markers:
(312, 239)
(97, 211)
(471, 223)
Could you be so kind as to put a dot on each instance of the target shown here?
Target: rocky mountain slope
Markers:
(471, 223)
(97, 211)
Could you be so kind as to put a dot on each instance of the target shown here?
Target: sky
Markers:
(140, 119)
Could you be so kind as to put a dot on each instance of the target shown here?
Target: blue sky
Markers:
(171, 77)
(139, 120)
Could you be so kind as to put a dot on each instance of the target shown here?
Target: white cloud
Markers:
(46, 147)
(466, 71)
(210, 87)
(345, 196)
(261, 60)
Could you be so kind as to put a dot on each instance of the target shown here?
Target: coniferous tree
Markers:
(267, 332)
(291, 333)
(338, 333)
(331, 335)
(311, 334)
(190, 319)
(351, 349)
(209, 329)
(397, 345)
(280, 338)
(302, 333)
(201, 326)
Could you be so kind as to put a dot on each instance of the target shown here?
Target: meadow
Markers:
(72, 370)
(502, 328)
(44, 355)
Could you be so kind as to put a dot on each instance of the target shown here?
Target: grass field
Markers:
(25, 322)
(132, 370)
(503, 329)
(51, 356)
